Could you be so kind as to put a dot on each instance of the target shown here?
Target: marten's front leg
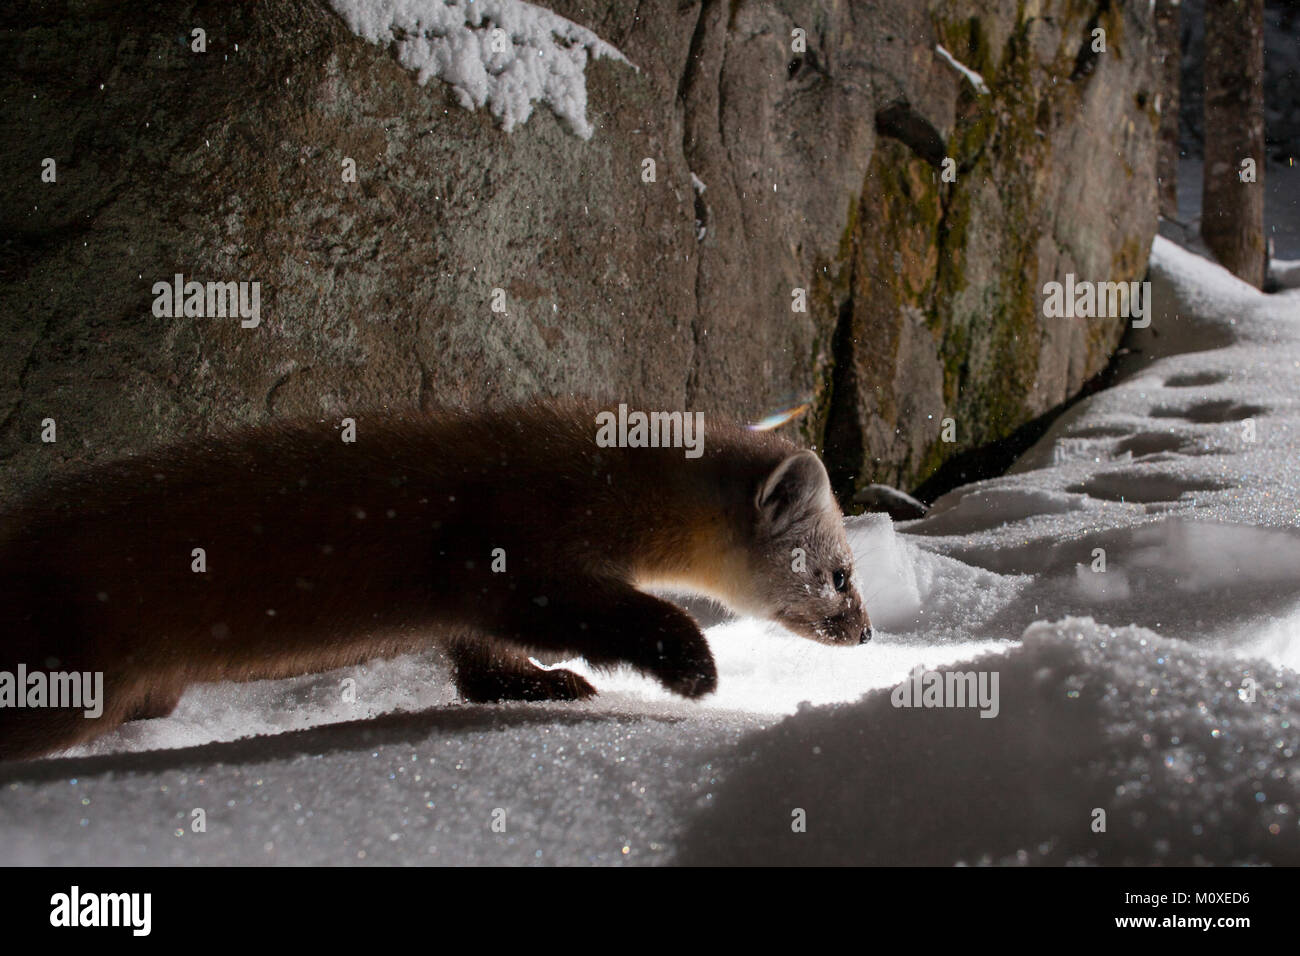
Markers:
(608, 623)
(487, 671)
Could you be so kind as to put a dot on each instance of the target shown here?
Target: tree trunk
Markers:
(1232, 197)
(1169, 61)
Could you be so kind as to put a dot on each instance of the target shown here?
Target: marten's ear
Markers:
(798, 486)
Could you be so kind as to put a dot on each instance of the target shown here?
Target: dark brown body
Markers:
(321, 554)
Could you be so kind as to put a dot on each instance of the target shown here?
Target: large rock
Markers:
(820, 172)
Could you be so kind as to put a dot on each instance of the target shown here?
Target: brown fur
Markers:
(322, 554)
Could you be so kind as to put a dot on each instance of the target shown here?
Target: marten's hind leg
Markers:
(485, 671)
(34, 732)
(27, 732)
(159, 702)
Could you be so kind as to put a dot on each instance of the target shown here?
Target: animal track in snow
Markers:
(1142, 445)
(1209, 413)
(1099, 431)
(1190, 379)
(1153, 444)
(1141, 488)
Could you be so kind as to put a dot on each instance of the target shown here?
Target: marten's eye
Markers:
(840, 579)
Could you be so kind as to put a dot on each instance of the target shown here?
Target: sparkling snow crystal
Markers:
(503, 53)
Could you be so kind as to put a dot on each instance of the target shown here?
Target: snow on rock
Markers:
(505, 54)
(974, 78)
(1161, 738)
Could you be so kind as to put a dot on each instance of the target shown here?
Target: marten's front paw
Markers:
(685, 667)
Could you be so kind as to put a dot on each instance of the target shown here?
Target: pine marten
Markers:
(496, 534)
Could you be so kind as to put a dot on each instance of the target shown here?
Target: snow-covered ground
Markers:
(1161, 690)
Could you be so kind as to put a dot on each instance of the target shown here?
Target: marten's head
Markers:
(803, 573)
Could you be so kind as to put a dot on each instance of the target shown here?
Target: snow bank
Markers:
(1159, 737)
(505, 54)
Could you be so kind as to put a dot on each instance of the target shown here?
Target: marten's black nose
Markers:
(866, 635)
